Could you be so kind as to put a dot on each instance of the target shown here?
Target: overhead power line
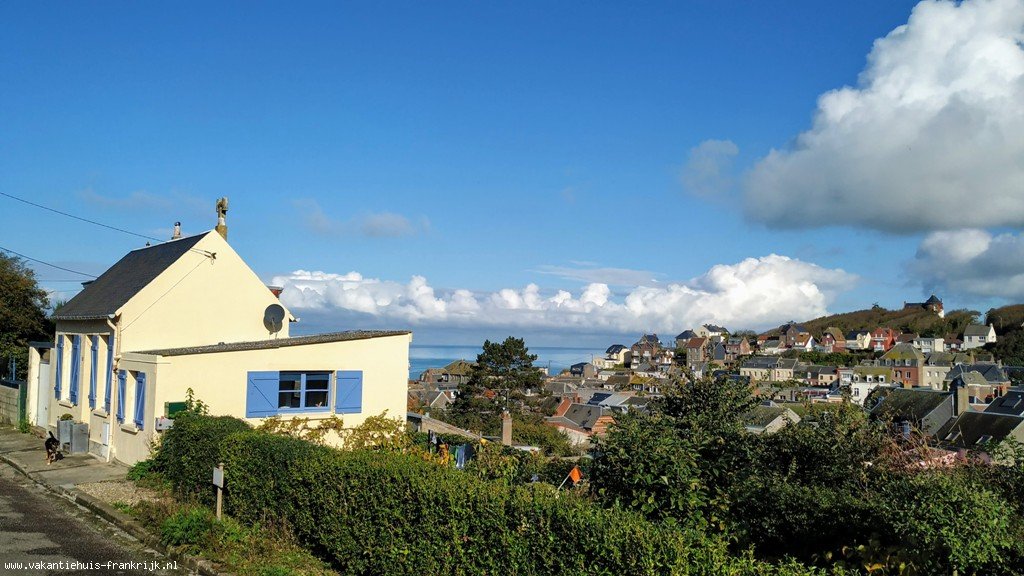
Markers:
(79, 218)
(45, 263)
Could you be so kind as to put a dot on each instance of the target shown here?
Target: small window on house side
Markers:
(304, 390)
(317, 388)
(290, 390)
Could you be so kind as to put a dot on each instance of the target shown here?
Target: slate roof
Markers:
(815, 369)
(910, 404)
(904, 351)
(1010, 403)
(761, 362)
(970, 429)
(713, 328)
(788, 363)
(277, 342)
(993, 373)
(933, 300)
(686, 335)
(618, 380)
(762, 416)
(972, 378)
(976, 330)
(559, 387)
(615, 349)
(648, 339)
(122, 281)
(719, 352)
(584, 415)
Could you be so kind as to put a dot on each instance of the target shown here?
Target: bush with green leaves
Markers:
(191, 449)
(389, 513)
(141, 470)
(188, 527)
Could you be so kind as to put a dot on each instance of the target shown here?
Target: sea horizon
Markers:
(555, 358)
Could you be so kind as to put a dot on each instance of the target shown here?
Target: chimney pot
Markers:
(506, 428)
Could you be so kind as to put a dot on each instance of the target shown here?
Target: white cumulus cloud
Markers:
(931, 137)
(755, 292)
(972, 263)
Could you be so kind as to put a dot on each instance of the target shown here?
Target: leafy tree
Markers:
(679, 460)
(645, 464)
(505, 366)
(22, 311)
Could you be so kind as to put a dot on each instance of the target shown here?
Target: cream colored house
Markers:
(189, 313)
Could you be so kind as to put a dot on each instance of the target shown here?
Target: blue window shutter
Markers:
(60, 367)
(76, 368)
(94, 358)
(122, 388)
(349, 392)
(140, 399)
(110, 374)
(261, 390)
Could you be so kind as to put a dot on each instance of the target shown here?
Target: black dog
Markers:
(53, 452)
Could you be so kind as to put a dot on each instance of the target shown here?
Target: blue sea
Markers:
(555, 359)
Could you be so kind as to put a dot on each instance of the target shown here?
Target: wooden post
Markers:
(218, 481)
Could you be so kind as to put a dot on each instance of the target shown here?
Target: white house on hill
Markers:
(189, 313)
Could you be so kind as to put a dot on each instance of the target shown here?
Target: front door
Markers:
(43, 395)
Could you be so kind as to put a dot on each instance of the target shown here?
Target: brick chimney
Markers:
(506, 428)
(961, 400)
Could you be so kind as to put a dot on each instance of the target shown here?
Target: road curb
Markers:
(122, 521)
(129, 525)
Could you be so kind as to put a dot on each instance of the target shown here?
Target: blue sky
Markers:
(425, 164)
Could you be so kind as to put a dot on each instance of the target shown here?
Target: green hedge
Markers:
(391, 514)
(190, 450)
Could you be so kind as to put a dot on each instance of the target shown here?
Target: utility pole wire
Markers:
(79, 218)
(45, 263)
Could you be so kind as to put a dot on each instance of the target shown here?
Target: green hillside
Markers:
(1006, 319)
(914, 320)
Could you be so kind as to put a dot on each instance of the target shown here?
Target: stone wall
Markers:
(10, 413)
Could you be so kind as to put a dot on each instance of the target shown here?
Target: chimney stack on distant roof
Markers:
(177, 231)
(506, 428)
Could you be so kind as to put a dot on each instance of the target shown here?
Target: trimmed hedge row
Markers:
(386, 513)
(191, 449)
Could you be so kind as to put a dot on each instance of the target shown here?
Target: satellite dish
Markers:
(273, 318)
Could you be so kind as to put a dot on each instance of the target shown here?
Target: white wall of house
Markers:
(220, 380)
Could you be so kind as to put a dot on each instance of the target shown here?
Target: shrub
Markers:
(389, 513)
(191, 449)
(189, 526)
(141, 470)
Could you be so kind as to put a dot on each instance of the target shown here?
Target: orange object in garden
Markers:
(575, 474)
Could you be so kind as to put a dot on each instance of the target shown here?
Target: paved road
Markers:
(37, 526)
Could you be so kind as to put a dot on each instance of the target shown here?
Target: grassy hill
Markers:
(1006, 319)
(915, 320)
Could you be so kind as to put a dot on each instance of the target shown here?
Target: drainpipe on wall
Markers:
(114, 323)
